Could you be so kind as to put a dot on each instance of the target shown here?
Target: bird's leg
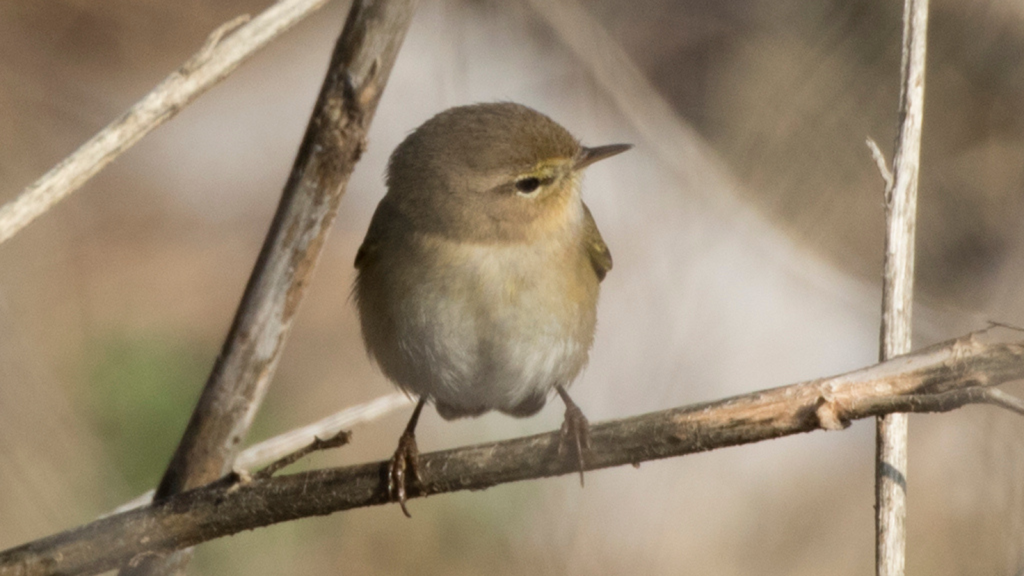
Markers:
(575, 430)
(406, 459)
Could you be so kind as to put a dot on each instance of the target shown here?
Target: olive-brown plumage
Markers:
(479, 276)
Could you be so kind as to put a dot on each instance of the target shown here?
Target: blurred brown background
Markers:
(753, 262)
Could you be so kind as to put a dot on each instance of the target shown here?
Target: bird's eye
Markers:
(528, 185)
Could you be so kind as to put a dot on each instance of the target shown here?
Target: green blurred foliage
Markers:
(141, 391)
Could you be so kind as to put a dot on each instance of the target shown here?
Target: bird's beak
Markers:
(588, 156)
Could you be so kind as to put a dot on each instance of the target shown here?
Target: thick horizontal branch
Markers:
(940, 378)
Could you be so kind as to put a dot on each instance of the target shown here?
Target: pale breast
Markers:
(487, 326)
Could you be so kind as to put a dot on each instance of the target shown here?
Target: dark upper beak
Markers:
(588, 156)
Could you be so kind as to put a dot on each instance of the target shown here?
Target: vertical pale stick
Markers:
(897, 293)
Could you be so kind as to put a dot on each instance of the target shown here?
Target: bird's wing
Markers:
(385, 219)
(600, 256)
(366, 252)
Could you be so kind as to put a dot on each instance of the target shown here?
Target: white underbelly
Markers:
(495, 327)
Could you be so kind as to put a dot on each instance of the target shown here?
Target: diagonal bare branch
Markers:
(335, 139)
(227, 47)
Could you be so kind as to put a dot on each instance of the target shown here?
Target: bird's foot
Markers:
(404, 470)
(575, 432)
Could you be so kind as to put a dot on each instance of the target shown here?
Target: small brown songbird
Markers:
(479, 276)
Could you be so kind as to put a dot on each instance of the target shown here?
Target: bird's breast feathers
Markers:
(499, 322)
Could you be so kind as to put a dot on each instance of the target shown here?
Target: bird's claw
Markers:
(405, 460)
(575, 432)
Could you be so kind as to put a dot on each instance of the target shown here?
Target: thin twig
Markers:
(338, 440)
(993, 323)
(997, 397)
(281, 445)
(883, 169)
(897, 292)
(225, 49)
(939, 378)
(269, 450)
(334, 140)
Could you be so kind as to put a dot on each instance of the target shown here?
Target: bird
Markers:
(478, 279)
